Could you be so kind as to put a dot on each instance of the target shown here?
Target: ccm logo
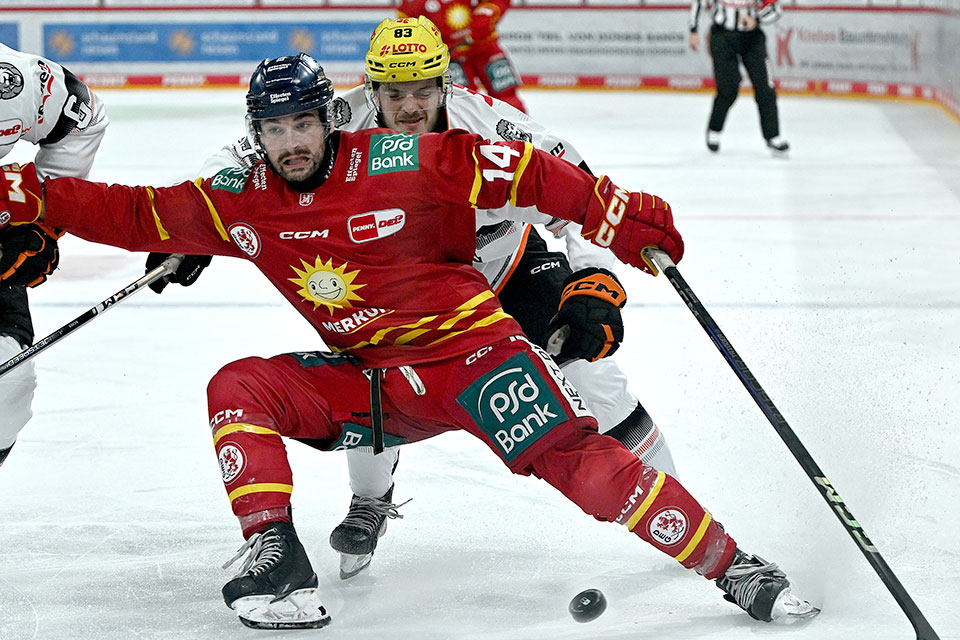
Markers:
(478, 354)
(304, 235)
(376, 224)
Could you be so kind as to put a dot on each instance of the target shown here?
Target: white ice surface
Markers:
(835, 273)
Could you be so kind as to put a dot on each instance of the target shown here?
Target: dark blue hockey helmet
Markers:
(288, 85)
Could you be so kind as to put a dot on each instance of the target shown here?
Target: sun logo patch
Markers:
(324, 284)
(458, 16)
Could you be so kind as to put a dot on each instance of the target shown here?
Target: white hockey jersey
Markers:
(43, 103)
(501, 233)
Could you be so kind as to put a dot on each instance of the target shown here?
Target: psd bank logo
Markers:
(391, 152)
(513, 405)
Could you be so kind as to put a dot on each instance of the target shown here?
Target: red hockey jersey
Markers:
(377, 258)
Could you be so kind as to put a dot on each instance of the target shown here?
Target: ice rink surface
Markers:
(835, 273)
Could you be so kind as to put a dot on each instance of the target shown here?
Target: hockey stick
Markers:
(167, 267)
(662, 261)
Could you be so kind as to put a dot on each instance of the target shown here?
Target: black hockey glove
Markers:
(588, 325)
(28, 254)
(186, 274)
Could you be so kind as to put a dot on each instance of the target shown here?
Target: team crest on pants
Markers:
(232, 462)
(668, 526)
(513, 405)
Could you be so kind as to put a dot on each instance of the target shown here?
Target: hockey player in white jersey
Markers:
(568, 304)
(46, 105)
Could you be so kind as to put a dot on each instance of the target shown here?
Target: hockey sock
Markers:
(662, 512)
(258, 520)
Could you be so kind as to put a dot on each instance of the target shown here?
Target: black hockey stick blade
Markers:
(167, 267)
(659, 260)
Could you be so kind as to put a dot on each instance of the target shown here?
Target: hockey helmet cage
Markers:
(405, 50)
(288, 85)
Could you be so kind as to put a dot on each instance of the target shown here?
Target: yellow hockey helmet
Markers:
(405, 50)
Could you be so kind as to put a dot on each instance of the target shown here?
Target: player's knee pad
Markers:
(664, 514)
(229, 380)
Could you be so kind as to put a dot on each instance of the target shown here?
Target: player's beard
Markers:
(306, 164)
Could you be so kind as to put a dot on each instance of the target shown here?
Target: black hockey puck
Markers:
(587, 605)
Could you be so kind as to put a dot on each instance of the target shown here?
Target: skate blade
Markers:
(301, 609)
(351, 565)
(788, 608)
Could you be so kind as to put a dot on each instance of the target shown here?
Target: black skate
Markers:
(357, 536)
(4, 453)
(713, 140)
(778, 146)
(762, 590)
(276, 587)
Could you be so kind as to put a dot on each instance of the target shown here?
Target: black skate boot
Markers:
(276, 587)
(762, 590)
(713, 140)
(778, 146)
(4, 453)
(357, 536)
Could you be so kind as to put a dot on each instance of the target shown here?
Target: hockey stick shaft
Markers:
(167, 267)
(663, 262)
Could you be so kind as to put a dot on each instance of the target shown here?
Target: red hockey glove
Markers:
(588, 321)
(21, 195)
(628, 222)
(483, 20)
(28, 254)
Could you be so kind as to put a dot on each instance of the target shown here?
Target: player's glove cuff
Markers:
(21, 194)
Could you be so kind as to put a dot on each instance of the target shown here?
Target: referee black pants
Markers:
(728, 49)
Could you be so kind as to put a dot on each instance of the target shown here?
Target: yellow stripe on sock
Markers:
(240, 426)
(261, 487)
(645, 505)
(697, 537)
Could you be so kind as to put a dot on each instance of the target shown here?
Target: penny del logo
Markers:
(374, 225)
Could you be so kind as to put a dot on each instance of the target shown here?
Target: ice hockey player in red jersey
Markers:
(469, 28)
(410, 91)
(421, 345)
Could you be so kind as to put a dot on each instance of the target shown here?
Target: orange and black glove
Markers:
(28, 254)
(588, 321)
(21, 194)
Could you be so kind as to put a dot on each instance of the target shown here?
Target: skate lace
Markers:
(265, 550)
(743, 581)
(367, 514)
